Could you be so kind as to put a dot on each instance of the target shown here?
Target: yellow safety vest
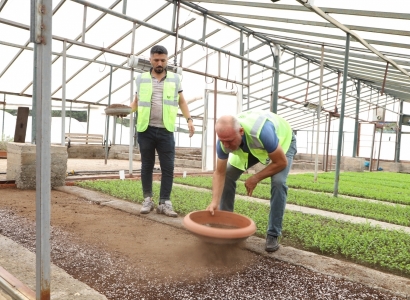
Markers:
(252, 123)
(170, 98)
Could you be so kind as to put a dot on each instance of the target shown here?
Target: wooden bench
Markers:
(84, 138)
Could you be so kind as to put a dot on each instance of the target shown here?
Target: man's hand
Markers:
(134, 106)
(251, 184)
(212, 207)
(191, 128)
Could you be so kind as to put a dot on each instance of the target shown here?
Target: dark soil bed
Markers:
(124, 256)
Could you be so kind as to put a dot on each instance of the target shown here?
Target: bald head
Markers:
(229, 132)
(226, 124)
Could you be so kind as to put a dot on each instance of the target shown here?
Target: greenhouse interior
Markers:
(337, 71)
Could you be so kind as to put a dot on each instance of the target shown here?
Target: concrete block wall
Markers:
(352, 164)
(405, 167)
(183, 157)
(191, 157)
(21, 165)
(88, 151)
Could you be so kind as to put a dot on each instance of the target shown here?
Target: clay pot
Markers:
(118, 110)
(223, 227)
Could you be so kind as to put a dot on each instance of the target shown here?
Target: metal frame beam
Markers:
(311, 23)
(322, 35)
(328, 10)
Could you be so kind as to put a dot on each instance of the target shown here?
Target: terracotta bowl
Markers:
(117, 110)
(223, 227)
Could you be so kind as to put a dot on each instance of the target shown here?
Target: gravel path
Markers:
(224, 275)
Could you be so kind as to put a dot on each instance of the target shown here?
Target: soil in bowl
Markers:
(119, 110)
(221, 228)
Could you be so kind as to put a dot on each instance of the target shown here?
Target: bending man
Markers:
(247, 139)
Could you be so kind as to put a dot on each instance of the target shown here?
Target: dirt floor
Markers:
(124, 256)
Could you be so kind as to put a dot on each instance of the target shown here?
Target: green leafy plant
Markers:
(371, 246)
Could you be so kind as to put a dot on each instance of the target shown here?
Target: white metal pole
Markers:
(132, 127)
(40, 35)
(63, 96)
(319, 108)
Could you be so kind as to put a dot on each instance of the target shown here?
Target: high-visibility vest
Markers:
(170, 100)
(252, 123)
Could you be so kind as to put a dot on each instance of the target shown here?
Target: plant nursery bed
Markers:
(124, 256)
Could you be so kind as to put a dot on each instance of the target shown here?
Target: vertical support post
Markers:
(342, 112)
(34, 100)
(274, 107)
(319, 108)
(272, 82)
(181, 55)
(372, 149)
(242, 66)
(313, 137)
(84, 23)
(124, 7)
(249, 72)
(356, 122)
(71, 113)
(21, 124)
(205, 131)
(204, 27)
(324, 144)
(239, 95)
(337, 92)
(380, 147)
(132, 127)
(4, 112)
(307, 77)
(114, 130)
(122, 123)
(174, 13)
(328, 142)
(358, 140)
(398, 134)
(215, 111)
(42, 75)
(384, 79)
(107, 118)
(63, 93)
(219, 63)
(176, 34)
(88, 118)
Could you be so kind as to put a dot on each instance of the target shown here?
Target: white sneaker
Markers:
(166, 209)
(147, 206)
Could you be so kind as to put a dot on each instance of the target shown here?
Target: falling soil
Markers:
(124, 256)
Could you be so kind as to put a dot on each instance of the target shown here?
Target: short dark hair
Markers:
(159, 50)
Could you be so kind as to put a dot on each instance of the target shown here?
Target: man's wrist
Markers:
(189, 119)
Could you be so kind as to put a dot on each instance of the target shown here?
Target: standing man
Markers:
(247, 139)
(158, 95)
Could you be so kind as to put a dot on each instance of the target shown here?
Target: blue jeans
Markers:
(279, 190)
(161, 140)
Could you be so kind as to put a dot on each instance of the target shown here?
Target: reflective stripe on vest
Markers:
(170, 99)
(252, 123)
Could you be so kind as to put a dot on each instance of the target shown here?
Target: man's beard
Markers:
(159, 70)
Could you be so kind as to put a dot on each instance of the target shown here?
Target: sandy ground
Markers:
(87, 223)
(105, 244)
